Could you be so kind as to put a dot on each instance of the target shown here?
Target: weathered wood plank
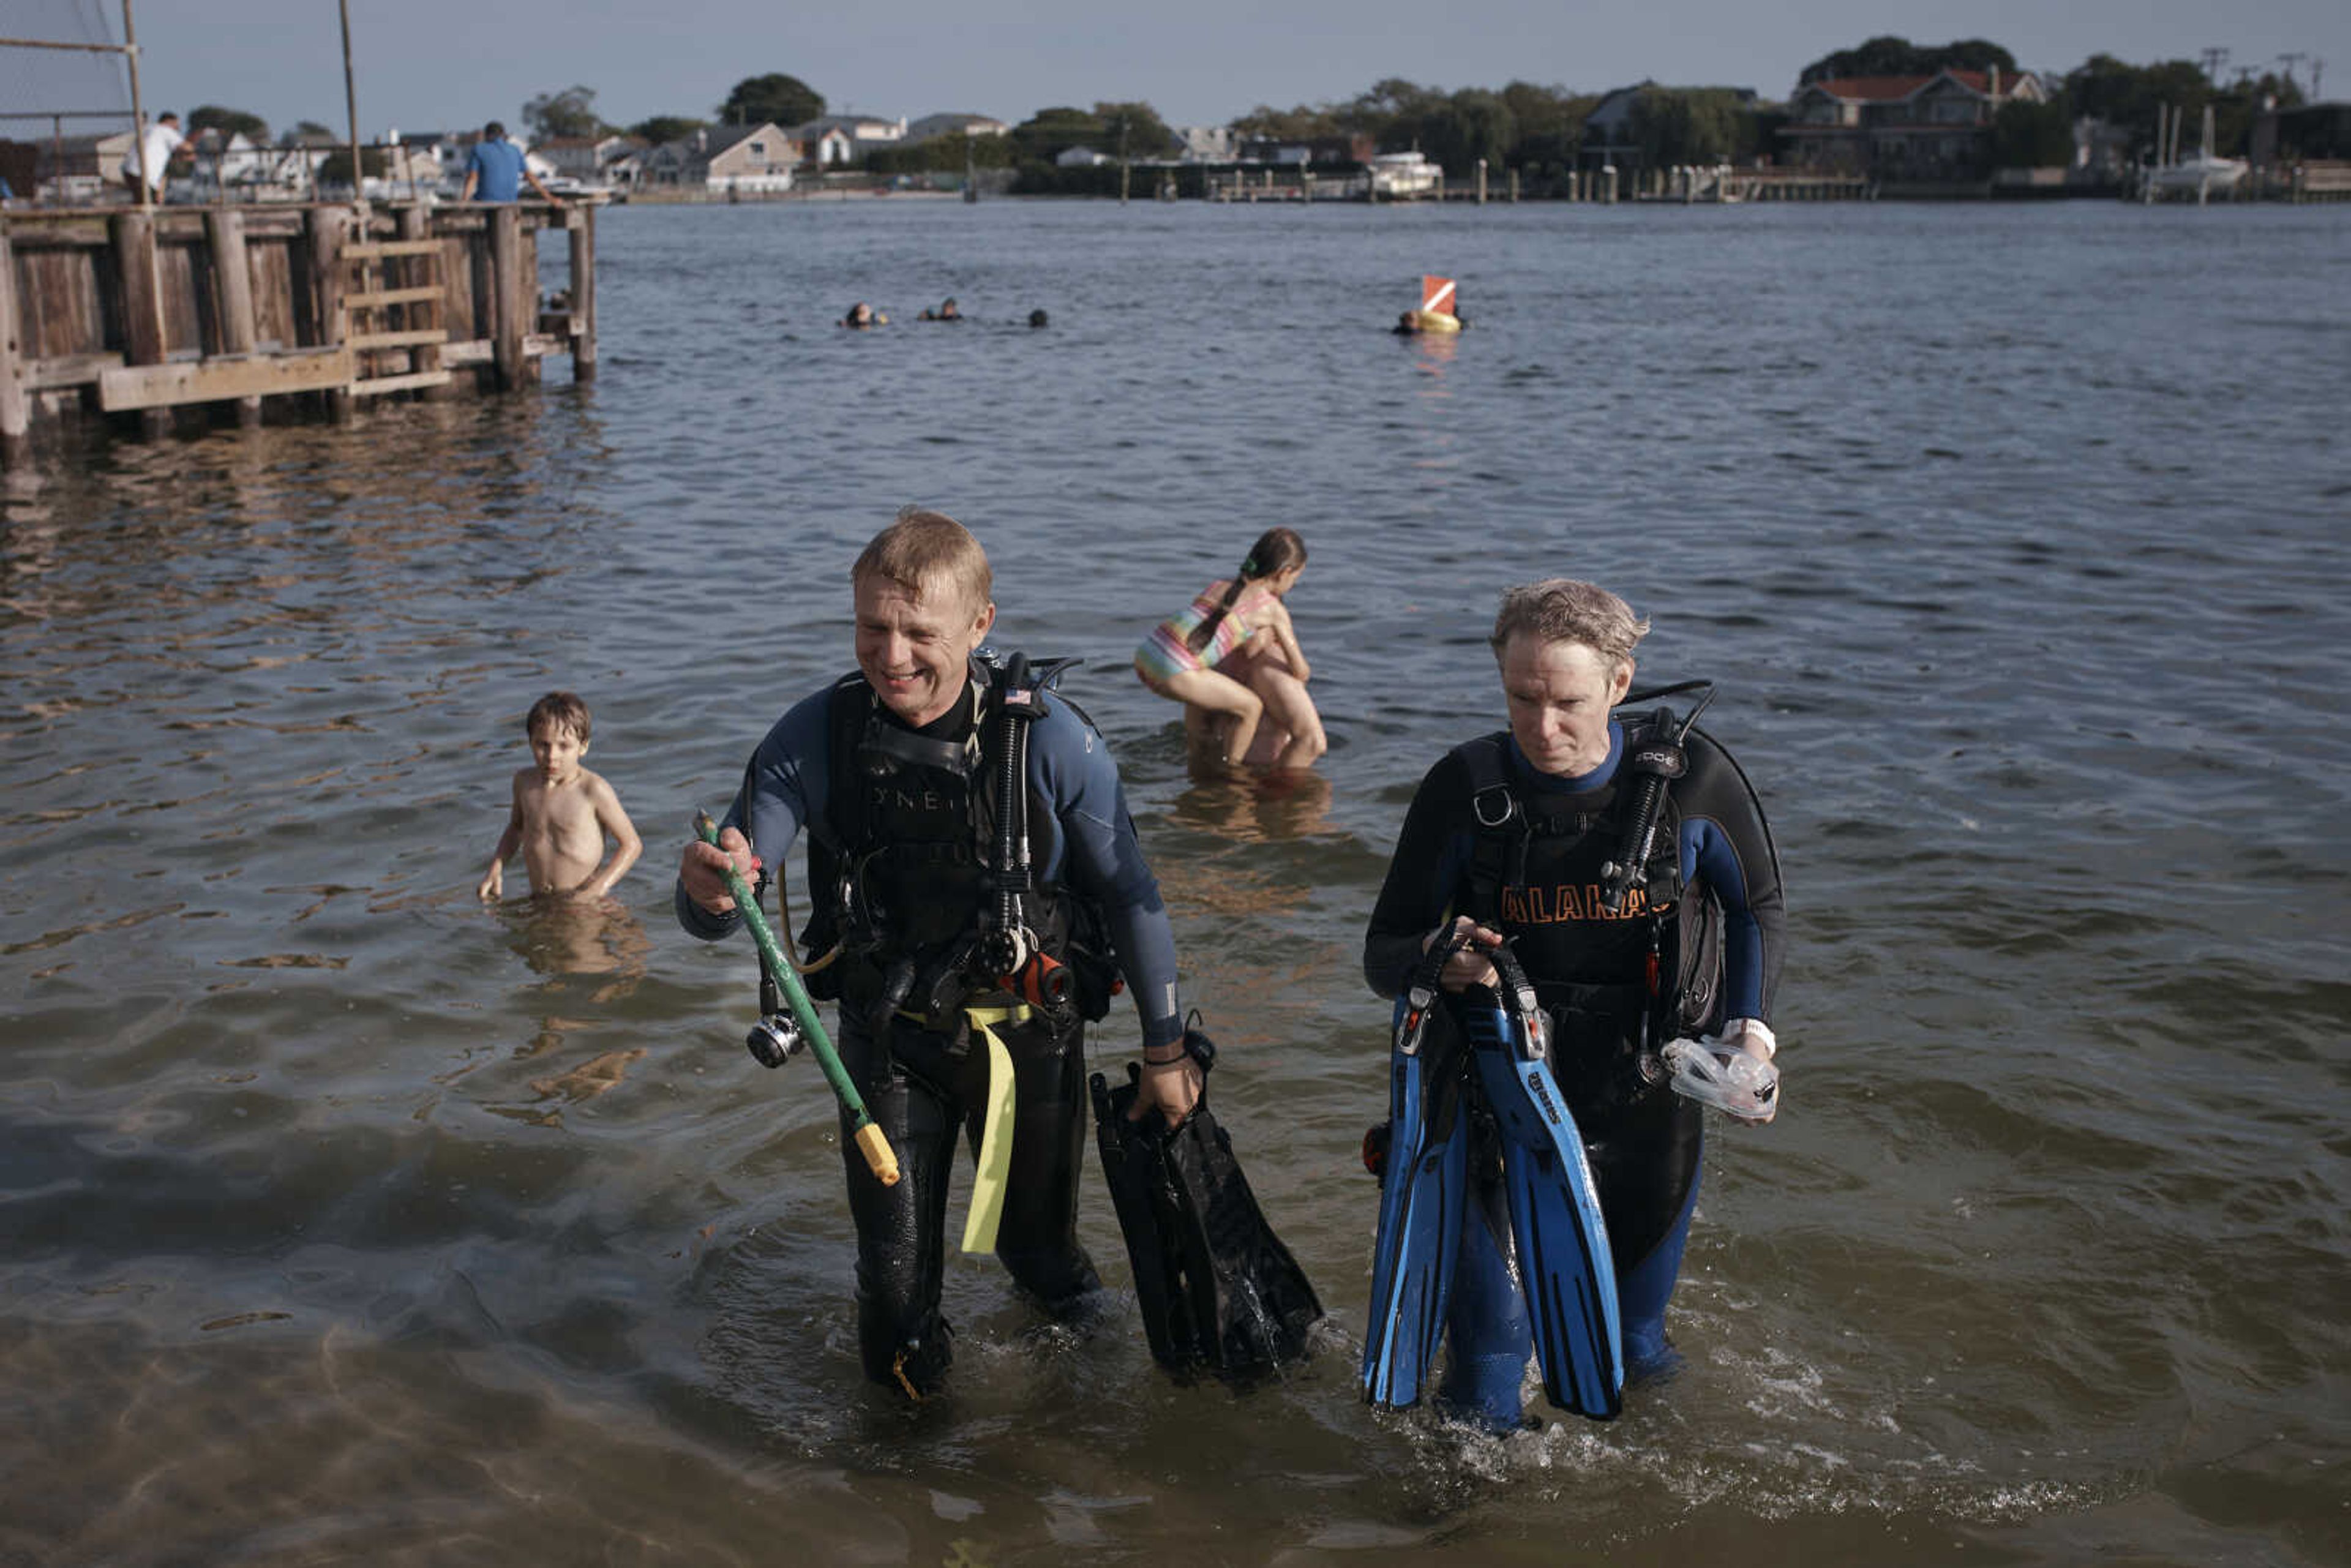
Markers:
(406, 337)
(233, 279)
(514, 296)
(69, 370)
(15, 413)
(213, 380)
(581, 222)
(374, 298)
(378, 249)
(413, 381)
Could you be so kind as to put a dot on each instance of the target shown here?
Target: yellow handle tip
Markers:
(876, 1146)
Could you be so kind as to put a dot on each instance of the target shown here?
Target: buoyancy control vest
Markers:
(909, 875)
(1624, 957)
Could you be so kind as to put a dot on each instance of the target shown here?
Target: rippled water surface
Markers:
(346, 1219)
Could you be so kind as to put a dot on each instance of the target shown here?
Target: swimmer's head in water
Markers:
(860, 315)
(1035, 317)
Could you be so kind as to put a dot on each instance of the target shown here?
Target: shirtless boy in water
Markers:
(562, 813)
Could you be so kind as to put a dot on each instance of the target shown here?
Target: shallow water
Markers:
(345, 1219)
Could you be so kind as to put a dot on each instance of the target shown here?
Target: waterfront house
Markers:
(829, 148)
(725, 158)
(1206, 143)
(576, 158)
(1324, 150)
(1926, 128)
(930, 127)
(80, 168)
(841, 138)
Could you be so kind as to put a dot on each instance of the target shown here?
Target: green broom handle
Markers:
(871, 1140)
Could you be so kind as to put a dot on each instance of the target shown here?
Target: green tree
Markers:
(335, 169)
(1550, 125)
(1304, 123)
(2123, 94)
(1472, 124)
(944, 155)
(571, 112)
(1695, 125)
(228, 122)
(1050, 132)
(1390, 111)
(1134, 130)
(1888, 56)
(664, 127)
(2033, 135)
(774, 98)
(307, 133)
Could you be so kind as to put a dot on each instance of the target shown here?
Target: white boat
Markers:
(2202, 174)
(1405, 175)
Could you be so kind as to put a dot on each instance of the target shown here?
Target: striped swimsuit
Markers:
(1163, 654)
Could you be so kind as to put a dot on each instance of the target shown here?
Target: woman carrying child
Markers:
(1232, 659)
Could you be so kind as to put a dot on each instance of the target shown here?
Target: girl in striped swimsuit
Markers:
(1233, 657)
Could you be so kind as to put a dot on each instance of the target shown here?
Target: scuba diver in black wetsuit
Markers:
(964, 975)
(1528, 836)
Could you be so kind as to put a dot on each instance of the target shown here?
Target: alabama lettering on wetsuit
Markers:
(1721, 838)
(1093, 848)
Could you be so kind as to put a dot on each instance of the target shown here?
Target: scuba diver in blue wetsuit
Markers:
(966, 968)
(1625, 861)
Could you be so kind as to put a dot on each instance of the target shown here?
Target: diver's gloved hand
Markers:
(1469, 967)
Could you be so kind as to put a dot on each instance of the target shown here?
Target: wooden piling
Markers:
(232, 282)
(580, 225)
(514, 298)
(143, 316)
(15, 412)
(327, 226)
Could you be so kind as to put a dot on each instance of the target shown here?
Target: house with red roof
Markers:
(1934, 127)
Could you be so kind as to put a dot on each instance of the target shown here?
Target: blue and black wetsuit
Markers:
(907, 841)
(1614, 984)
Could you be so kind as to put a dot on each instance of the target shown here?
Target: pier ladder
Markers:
(402, 313)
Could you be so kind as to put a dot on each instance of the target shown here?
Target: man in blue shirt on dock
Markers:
(498, 168)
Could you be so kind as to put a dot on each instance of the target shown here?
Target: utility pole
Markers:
(2289, 59)
(2214, 59)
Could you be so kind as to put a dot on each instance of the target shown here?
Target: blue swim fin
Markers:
(1561, 1241)
(1423, 1192)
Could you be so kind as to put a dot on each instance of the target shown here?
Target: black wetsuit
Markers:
(923, 1079)
(1717, 951)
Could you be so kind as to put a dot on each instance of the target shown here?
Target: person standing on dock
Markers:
(164, 141)
(497, 168)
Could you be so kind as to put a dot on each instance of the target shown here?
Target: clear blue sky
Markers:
(430, 64)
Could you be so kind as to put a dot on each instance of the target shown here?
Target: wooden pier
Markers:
(139, 311)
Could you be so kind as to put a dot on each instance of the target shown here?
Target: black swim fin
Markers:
(1217, 1287)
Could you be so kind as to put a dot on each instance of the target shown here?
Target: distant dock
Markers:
(158, 315)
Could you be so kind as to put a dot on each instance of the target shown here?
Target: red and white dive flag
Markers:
(1436, 294)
